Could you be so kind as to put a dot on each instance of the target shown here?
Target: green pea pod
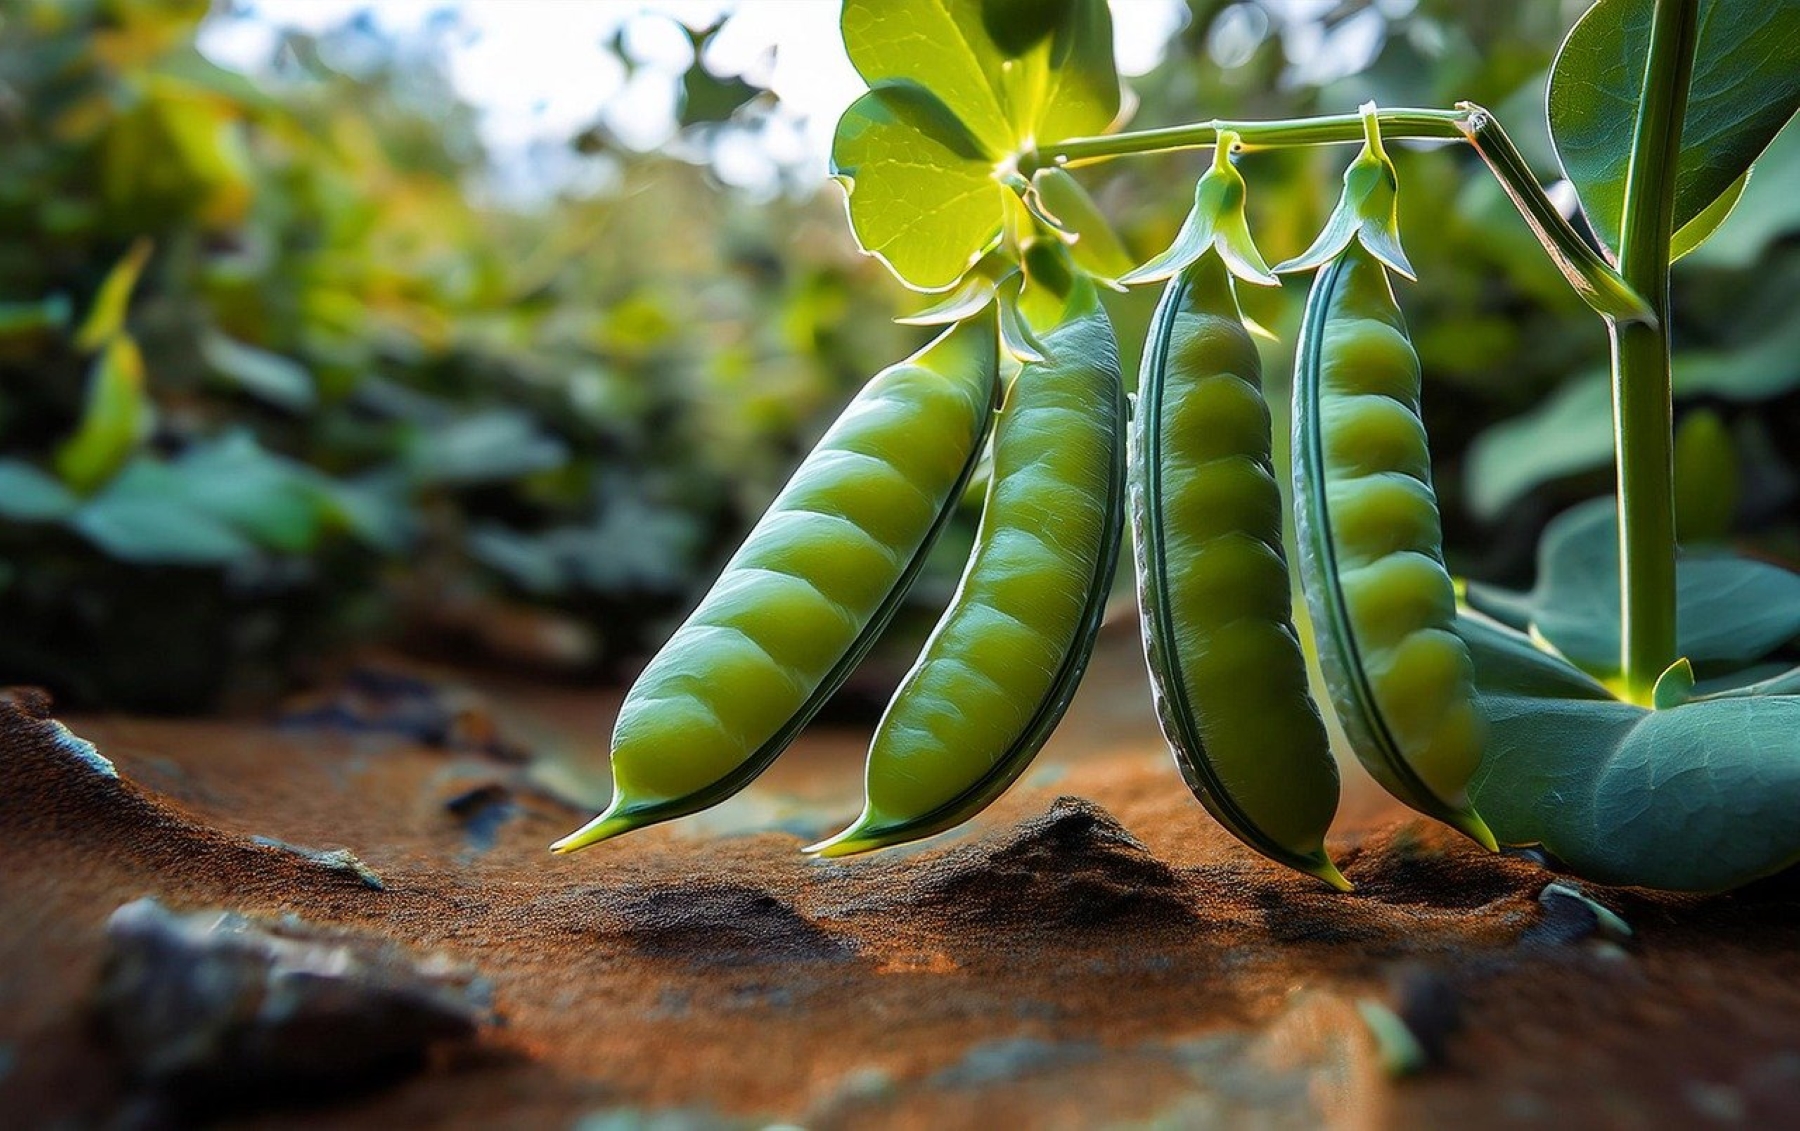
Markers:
(1371, 548)
(1226, 670)
(1002, 665)
(808, 592)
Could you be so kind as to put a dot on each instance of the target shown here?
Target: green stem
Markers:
(1643, 419)
(1331, 129)
(1591, 276)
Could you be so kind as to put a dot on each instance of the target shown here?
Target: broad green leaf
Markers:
(940, 46)
(1746, 85)
(29, 495)
(1700, 797)
(1766, 679)
(928, 206)
(115, 420)
(142, 517)
(269, 376)
(106, 317)
(1509, 662)
(1696, 231)
(269, 500)
(966, 301)
(1731, 611)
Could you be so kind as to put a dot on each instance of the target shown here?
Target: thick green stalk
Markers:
(1643, 419)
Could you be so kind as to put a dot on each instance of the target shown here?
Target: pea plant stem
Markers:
(1643, 418)
(1592, 277)
(1330, 129)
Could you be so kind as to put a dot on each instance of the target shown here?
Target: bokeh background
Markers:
(481, 331)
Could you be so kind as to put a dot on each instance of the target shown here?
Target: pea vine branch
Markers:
(1595, 280)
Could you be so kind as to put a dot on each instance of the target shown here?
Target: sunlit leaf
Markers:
(940, 46)
(923, 198)
(960, 87)
(115, 420)
(106, 317)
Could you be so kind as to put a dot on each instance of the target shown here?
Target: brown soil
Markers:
(1059, 963)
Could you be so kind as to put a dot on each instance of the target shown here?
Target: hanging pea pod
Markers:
(808, 592)
(1002, 665)
(1226, 670)
(1370, 548)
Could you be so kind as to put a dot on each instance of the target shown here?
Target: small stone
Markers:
(218, 1007)
(1570, 915)
(339, 860)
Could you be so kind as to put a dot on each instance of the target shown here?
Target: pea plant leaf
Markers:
(928, 206)
(1731, 611)
(1746, 85)
(960, 88)
(1704, 796)
(142, 517)
(29, 495)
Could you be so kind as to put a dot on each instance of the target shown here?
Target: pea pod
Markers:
(1226, 670)
(1002, 665)
(808, 592)
(1371, 548)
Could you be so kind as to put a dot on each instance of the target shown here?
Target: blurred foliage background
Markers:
(282, 381)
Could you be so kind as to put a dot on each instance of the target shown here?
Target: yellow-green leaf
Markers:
(922, 194)
(115, 422)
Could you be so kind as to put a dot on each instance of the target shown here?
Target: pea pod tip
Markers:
(1324, 869)
(616, 820)
(852, 841)
(1472, 826)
